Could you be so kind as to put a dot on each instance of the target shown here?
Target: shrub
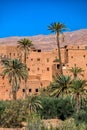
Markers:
(11, 116)
(65, 108)
(81, 116)
(56, 108)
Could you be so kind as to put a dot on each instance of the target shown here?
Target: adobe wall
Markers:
(41, 67)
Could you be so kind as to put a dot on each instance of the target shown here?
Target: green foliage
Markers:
(56, 60)
(32, 103)
(60, 86)
(76, 71)
(25, 44)
(11, 117)
(57, 108)
(57, 27)
(49, 109)
(81, 116)
(70, 124)
(65, 108)
(3, 105)
(33, 122)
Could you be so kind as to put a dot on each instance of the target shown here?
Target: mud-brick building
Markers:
(42, 66)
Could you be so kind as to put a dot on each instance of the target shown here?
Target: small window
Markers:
(30, 90)
(71, 56)
(38, 59)
(14, 54)
(23, 90)
(41, 84)
(48, 69)
(28, 69)
(63, 65)
(39, 50)
(47, 59)
(36, 90)
(38, 68)
(84, 56)
(58, 66)
(31, 59)
(86, 64)
(10, 54)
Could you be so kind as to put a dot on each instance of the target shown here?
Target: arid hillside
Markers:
(48, 42)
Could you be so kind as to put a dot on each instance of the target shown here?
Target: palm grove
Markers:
(62, 87)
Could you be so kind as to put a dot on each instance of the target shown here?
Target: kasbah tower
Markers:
(42, 67)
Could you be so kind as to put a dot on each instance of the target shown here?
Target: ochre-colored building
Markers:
(42, 67)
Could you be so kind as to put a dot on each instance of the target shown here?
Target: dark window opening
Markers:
(47, 59)
(39, 50)
(86, 64)
(71, 56)
(41, 84)
(10, 54)
(63, 64)
(14, 54)
(38, 59)
(58, 66)
(84, 56)
(28, 69)
(23, 90)
(31, 59)
(38, 69)
(48, 69)
(36, 90)
(30, 90)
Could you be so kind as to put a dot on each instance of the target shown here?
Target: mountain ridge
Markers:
(48, 42)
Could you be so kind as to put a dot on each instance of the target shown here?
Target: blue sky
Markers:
(31, 17)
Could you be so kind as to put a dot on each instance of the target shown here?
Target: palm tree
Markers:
(78, 91)
(60, 86)
(15, 71)
(32, 103)
(76, 71)
(58, 28)
(25, 44)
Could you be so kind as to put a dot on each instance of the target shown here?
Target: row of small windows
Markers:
(10, 54)
(48, 69)
(38, 59)
(30, 90)
(83, 56)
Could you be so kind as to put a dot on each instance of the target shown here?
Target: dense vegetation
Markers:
(65, 98)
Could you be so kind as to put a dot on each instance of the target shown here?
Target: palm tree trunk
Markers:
(25, 56)
(25, 82)
(14, 95)
(59, 53)
(77, 102)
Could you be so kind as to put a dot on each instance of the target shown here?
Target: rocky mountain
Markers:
(48, 42)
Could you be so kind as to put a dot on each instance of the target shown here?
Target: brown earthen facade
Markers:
(41, 67)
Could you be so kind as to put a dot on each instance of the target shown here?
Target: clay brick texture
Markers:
(41, 67)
